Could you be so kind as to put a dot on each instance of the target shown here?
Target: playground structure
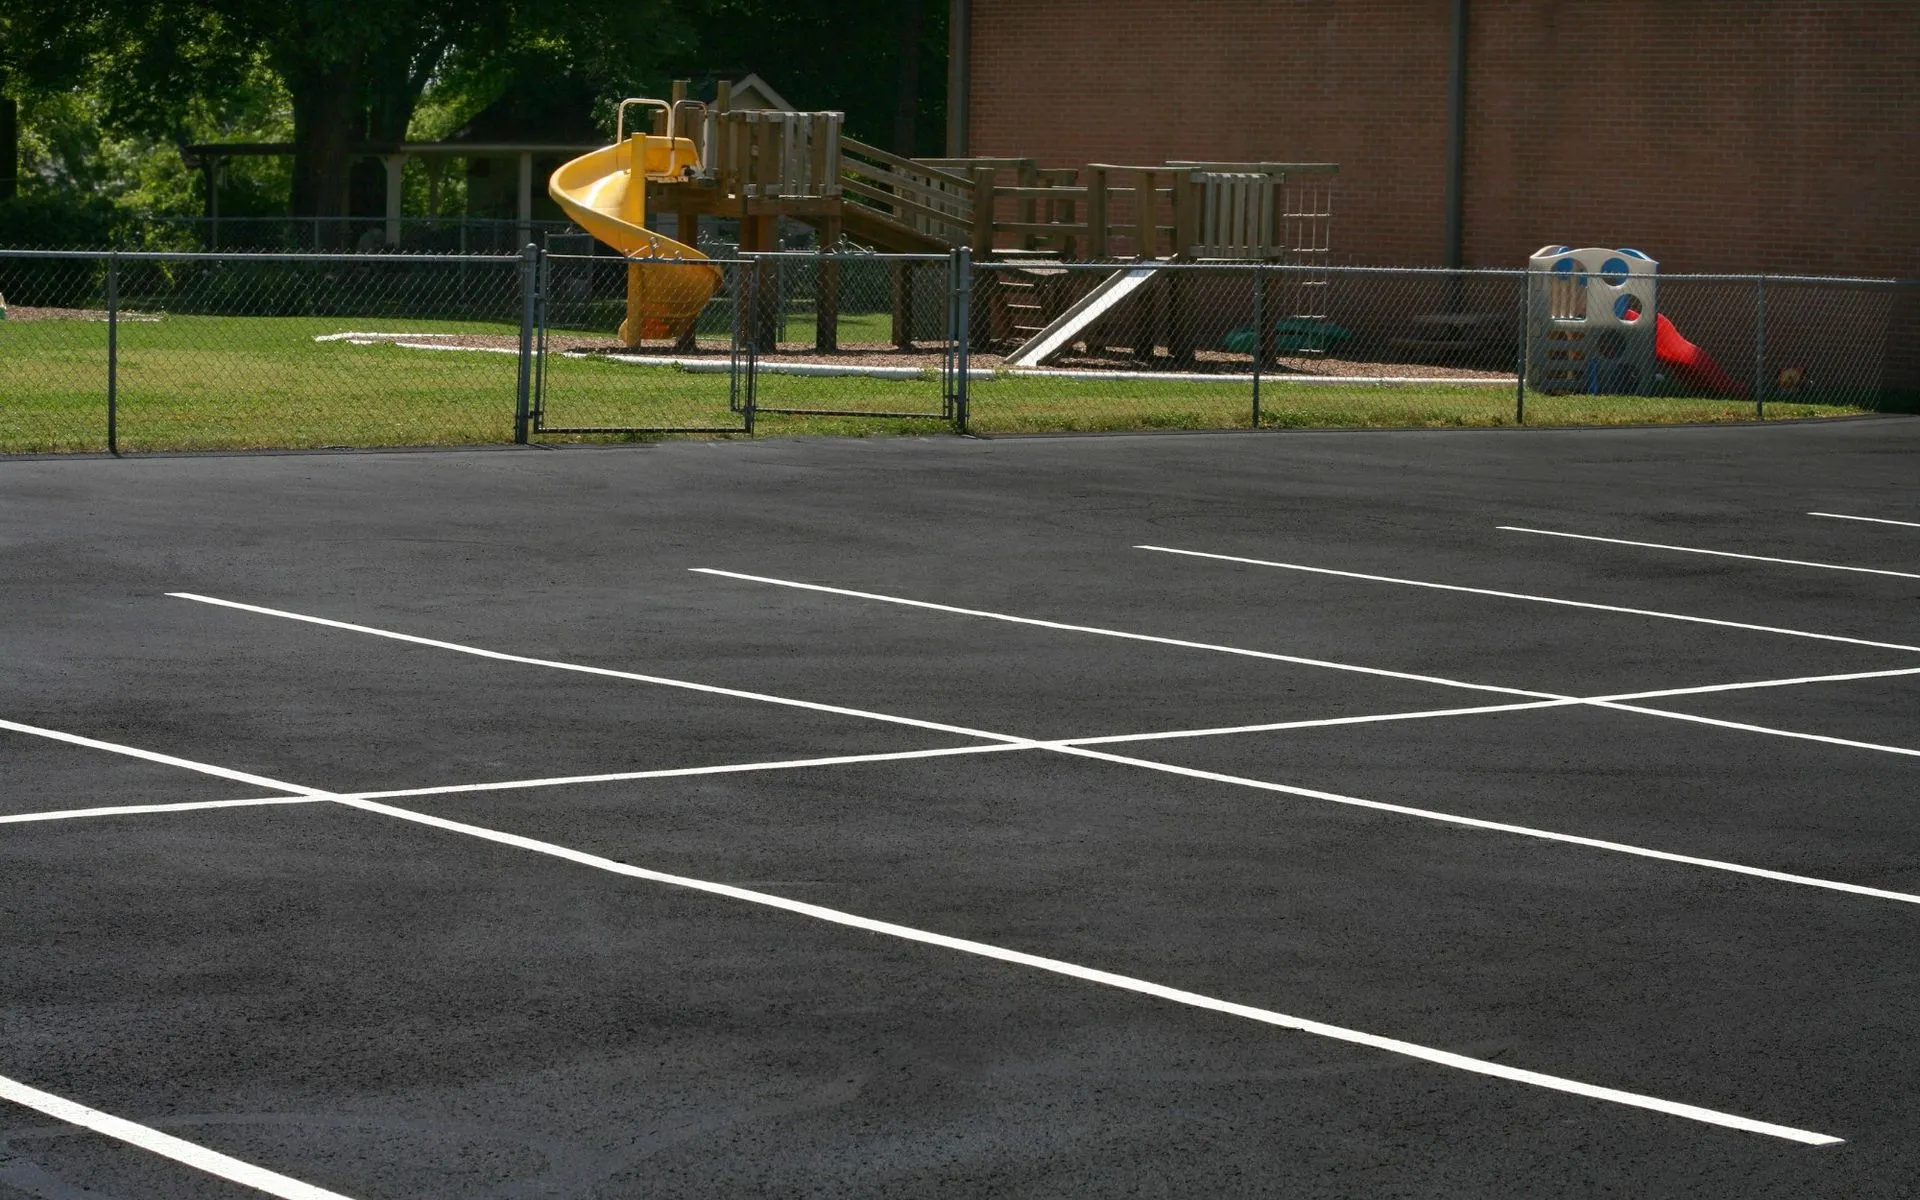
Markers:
(1594, 325)
(762, 166)
(1590, 320)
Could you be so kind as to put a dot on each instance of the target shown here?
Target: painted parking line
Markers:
(123, 810)
(1126, 635)
(1127, 983)
(1545, 699)
(604, 672)
(1873, 520)
(212, 1162)
(1787, 562)
(553, 781)
(1528, 831)
(1149, 765)
(154, 756)
(1586, 604)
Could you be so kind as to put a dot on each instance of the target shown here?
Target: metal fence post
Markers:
(747, 328)
(113, 353)
(962, 333)
(1259, 334)
(744, 372)
(1760, 350)
(1526, 349)
(538, 402)
(523, 388)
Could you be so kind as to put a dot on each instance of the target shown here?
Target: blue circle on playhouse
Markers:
(1614, 271)
(1627, 308)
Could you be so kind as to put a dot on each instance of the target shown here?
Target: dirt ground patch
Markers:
(854, 354)
(23, 312)
(871, 354)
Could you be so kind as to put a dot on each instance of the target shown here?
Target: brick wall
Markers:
(1779, 135)
(1716, 135)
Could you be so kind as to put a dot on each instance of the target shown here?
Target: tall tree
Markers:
(354, 69)
(9, 146)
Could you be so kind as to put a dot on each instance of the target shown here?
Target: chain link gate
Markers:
(694, 377)
(853, 336)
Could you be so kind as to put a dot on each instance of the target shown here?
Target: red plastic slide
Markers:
(1689, 363)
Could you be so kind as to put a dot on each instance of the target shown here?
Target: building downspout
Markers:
(1456, 200)
(959, 75)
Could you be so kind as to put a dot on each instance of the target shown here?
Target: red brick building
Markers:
(1716, 135)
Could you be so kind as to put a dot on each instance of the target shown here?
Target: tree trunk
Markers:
(323, 129)
(9, 148)
(906, 108)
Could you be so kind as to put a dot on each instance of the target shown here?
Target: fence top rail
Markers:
(842, 256)
(1230, 264)
(1852, 280)
(500, 259)
(611, 260)
(262, 256)
(1014, 264)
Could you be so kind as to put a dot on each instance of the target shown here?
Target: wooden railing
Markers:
(763, 154)
(921, 196)
(1100, 211)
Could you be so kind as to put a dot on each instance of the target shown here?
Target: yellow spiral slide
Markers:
(605, 193)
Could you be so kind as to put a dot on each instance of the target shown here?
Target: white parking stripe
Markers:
(1787, 562)
(1586, 604)
(173, 1148)
(1874, 520)
(164, 1144)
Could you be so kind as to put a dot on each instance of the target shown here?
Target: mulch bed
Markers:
(881, 354)
(23, 312)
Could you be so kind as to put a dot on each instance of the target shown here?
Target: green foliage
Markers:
(43, 219)
(110, 91)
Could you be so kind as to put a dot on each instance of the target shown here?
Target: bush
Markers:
(60, 221)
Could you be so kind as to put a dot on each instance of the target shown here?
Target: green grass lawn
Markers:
(189, 382)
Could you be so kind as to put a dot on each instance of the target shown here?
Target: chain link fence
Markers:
(155, 351)
(590, 380)
(858, 336)
(186, 351)
(1230, 345)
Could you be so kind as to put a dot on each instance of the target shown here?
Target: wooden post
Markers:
(766, 160)
(821, 173)
(1028, 209)
(1096, 213)
(760, 232)
(1064, 212)
(1264, 342)
(1178, 320)
(983, 212)
(1146, 204)
(1187, 198)
(1146, 211)
(395, 165)
(902, 279)
(1183, 289)
(686, 229)
(826, 290)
